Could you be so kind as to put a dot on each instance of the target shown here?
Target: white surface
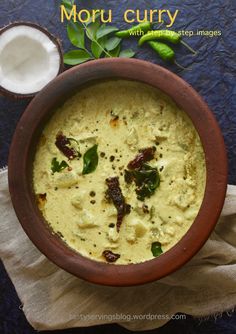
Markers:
(28, 60)
(54, 299)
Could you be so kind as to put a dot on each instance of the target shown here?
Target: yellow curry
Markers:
(119, 172)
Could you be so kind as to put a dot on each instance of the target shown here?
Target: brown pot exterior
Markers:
(23, 149)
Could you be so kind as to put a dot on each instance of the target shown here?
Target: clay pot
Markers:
(22, 153)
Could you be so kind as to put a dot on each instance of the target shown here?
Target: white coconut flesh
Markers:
(28, 59)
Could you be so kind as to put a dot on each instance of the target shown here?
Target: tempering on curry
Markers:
(119, 173)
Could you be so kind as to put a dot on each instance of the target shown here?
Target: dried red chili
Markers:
(63, 144)
(115, 194)
(110, 256)
(145, 155)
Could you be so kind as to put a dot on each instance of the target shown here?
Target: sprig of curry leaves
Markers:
(100, 38)
(146, 178)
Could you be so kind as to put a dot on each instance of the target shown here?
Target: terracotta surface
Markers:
(56, 41)
(22, 153)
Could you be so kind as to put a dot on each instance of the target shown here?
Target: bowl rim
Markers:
(20, 171)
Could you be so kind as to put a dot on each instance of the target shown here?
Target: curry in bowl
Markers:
(119, 172)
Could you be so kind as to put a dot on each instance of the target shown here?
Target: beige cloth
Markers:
(54, 299)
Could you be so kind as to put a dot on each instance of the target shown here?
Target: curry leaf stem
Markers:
(95, 41)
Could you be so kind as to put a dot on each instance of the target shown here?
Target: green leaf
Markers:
(96, 49)
(98, 46)
(68, 4)
(76, 57)
(148, 186)
(128, 53)
(105, 30)
(90, 160)
(57, 166)
(91, 30)
(112, 43)
(147, 180)
(97, 15)
(156, 249)
(75, 33)
(115, 52)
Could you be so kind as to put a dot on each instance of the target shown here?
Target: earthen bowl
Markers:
(23, 149)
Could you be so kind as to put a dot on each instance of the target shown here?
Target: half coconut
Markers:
(30, 57)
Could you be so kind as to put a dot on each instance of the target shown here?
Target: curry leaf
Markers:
(156, 249)
(68, 4)
(90, 160)
(127, 53)
(97, 47)
(148, 186)
(57, 166)
(91, 30)
(76, 57)
(146, 179)
(115, 52)
(76, 34)
(112, 43)
(105, 30)
(92, 18)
